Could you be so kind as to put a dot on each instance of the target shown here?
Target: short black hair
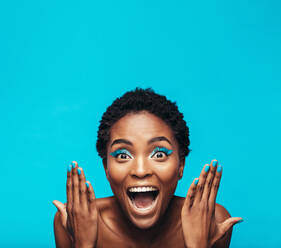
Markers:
(144, 100)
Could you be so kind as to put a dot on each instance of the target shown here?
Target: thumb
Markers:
(230, 222)
(62, 210)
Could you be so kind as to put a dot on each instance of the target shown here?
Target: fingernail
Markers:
(215, 162)
(239, 221)
(87, 184)
(219, 168)
(207, 168)
(73, 164)
(69, 167)
(196, 181)
(79, 171)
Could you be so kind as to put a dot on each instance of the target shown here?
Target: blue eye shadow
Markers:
(161, 149)
(119, 151)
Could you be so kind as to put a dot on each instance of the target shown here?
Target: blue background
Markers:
(63, 62)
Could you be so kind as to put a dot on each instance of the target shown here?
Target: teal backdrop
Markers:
(63, 62)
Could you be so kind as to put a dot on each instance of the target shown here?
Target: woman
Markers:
(143, 141)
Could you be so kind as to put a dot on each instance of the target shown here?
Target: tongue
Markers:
(143, 199)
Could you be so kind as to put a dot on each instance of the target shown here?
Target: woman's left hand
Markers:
(199, 225)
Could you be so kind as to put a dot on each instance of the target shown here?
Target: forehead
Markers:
(140, 126)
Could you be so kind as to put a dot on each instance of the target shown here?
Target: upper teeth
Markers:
(142, 189)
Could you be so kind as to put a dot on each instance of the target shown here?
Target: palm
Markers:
(79, 216)
(199, 225)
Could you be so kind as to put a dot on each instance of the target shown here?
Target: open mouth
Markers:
(143, 198)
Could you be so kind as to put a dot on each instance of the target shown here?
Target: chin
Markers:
(144, 223)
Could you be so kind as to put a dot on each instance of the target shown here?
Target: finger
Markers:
(82, 189)
(91, 197)
(209, 180)
(227, 224)
(69, 190)
(62, 210)
(201, 183)
(75, 185)
(215, 186)
(60, 207)
(191, 193)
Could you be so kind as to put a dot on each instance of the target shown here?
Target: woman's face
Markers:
(143, 166)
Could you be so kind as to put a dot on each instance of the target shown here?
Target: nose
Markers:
(141, 169)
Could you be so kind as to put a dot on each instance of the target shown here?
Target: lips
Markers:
(143, 198)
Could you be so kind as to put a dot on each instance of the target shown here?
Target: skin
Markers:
(194, 221)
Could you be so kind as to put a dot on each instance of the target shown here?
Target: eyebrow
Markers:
(160, 138)
(127, 142)
(120, 141)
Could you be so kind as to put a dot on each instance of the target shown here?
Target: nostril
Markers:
(141, 171)
(138, 176)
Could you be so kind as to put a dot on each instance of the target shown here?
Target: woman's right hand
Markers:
(80, 215)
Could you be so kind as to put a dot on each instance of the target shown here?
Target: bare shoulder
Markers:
(62, 238)
(109, 212)
(105, 204)
(221, 213)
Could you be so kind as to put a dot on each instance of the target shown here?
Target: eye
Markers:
(160, 152)
(122, 154)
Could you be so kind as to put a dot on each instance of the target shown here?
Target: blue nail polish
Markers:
(239, 221)
(79, 171)
(219, 168)
(87, 185)
(73, 165)
(196, 181)
(215, 162)
(207, 168)
(69, 167)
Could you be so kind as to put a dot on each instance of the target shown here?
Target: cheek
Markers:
(116, 173)
(168, 173)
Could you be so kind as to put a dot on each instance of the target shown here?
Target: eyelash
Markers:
(120, 151)
(166, 151)
(161, 149)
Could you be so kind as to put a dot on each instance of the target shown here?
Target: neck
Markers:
(169, 219)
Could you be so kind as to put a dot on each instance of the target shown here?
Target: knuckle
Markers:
(75, 210)
(210, 206)
(82, 190)
(69, 185)
(216, 185)
(203, 206)
(218, 176)
(205, 174)
(93, 217)
(69, 209)
(200, 187)
(75, 184)
(91, 199)
(209, 183)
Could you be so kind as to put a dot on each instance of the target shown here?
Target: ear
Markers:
(104, 162)
(181, 167)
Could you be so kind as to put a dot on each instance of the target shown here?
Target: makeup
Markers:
(145, 186)
(121, 151)
(161, 149)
